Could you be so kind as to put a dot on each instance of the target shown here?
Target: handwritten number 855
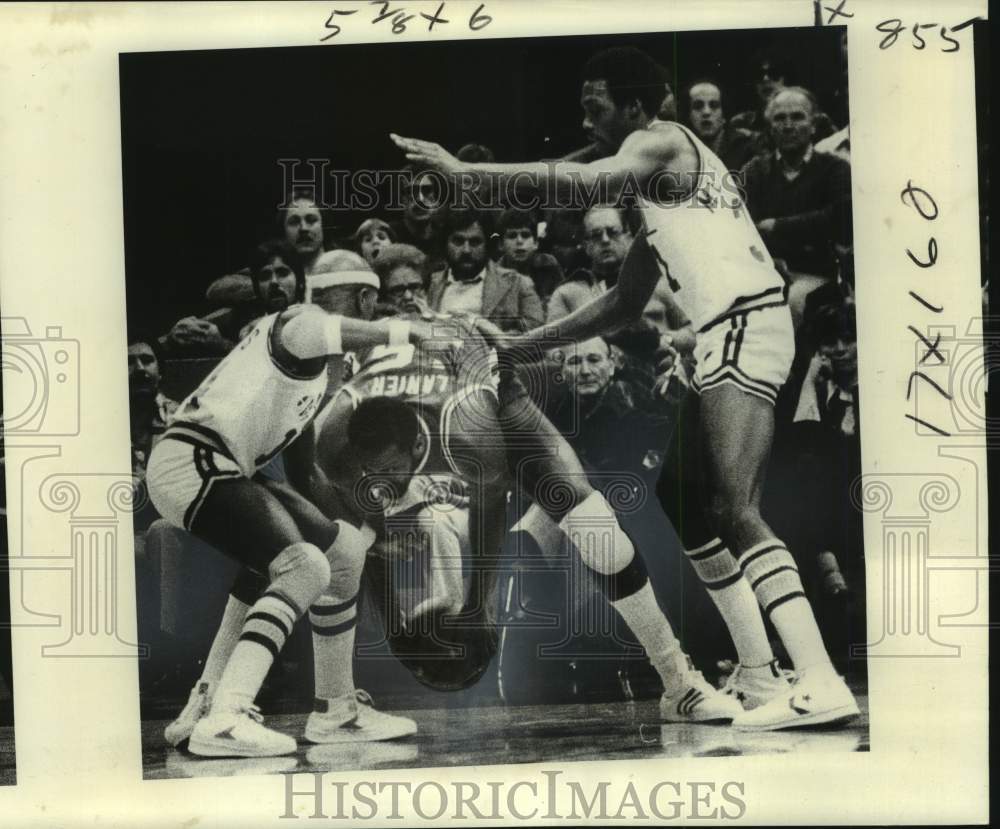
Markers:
(893, 27)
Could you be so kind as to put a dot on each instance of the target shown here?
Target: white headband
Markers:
(330, 279)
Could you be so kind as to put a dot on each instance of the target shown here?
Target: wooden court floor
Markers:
(511, 734)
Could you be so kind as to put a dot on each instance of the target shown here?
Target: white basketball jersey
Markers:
(708, 246)
(256, 401)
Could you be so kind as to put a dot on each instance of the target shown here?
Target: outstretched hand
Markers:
(427, 154)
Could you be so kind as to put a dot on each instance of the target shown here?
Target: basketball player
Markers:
(724, 281)
(202, 476)
(405, 414)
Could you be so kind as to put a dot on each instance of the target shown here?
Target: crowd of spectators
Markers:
(615, 402)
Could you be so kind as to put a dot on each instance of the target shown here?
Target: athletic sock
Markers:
(735, 600)
(298, 574)
(334, 615)
(774, 578)
(650, 626)
(225, 639)
(608, 552)
(333, 625)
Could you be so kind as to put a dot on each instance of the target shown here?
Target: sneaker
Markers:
(351, 718)
(238, 734)
(200, 700)
(697, 700)
(818, 696)
(753, 687)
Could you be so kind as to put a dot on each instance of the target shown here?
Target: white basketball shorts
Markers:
(752, 350)
(180, 476)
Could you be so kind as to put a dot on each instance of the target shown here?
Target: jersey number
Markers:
(389, 357)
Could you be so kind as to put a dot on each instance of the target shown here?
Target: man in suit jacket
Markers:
(473, 284)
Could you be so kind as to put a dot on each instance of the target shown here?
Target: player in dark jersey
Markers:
(452, 477)
(406, 411)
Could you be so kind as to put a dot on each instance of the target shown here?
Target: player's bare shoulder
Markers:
(662, 142)
(677, 160)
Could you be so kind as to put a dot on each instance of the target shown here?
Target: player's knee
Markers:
(303, 571)
(346, 556)
(732, 516)
(561, 496)
(162, 531)
(593, 527)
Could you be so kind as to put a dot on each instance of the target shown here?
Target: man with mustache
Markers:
(276, 281)
(473, 284)
(300, 226)
(148, 408)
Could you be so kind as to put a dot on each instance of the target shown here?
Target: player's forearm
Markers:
(597, 317)
(359, 334)
(556, 176)
(314, 333)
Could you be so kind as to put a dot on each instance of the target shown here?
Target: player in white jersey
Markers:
(699, 238)
(202, 476)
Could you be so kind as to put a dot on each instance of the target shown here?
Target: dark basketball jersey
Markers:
(455, 400)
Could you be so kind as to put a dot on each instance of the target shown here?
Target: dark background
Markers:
(202, 131)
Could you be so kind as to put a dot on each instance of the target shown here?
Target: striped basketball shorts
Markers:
(752, 350)
(181, 474)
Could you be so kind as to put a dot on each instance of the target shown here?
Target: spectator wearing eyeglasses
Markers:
(606, 241)
(401, 270)
(601, 242)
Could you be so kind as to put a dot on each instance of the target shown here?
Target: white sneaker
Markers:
(697, 700)
(818, 696)
(753, 687)
(350, 718)
(199, 701)
(238, 734)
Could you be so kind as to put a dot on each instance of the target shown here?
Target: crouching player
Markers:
(202, 477)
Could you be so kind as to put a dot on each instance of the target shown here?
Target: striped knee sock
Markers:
(735, 600)
(298, 575)
(774, 578)
(333, 625)
(268, 625)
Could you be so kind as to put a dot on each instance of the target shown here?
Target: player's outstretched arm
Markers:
(601, 180)
(311, 332)
(623, 304)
